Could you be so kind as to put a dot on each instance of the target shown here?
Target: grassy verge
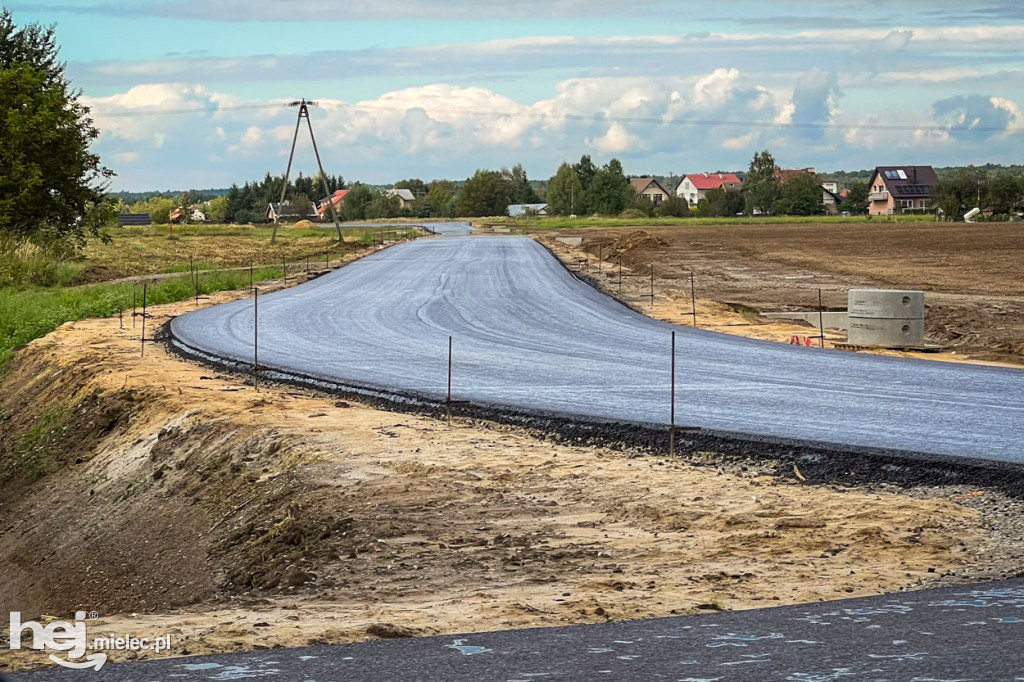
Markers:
(27, 314)
(560, 223)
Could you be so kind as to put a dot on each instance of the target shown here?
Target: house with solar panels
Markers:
(895, 190)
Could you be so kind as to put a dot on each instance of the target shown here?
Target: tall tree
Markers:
(856, 200)
(957, 193)
(51, 184)
(585, 171)
(33, 45)
(520, 189)
(356, 202)
(760, 187)
(414, 185)
(441, 199)
(565, 192)
(485, 194)
(1005, 194)
(721, 203)
(609, 192)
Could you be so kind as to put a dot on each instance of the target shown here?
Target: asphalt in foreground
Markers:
(961, 634)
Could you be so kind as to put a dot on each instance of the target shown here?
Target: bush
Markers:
(23, 263)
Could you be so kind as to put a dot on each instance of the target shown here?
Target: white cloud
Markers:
(616, 140)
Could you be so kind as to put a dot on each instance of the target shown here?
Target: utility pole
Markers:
(303, 106)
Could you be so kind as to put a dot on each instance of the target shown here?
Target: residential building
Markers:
(288, 211)
(901, 189)
(784, 175)
(831, 199)
(405, 196)
(322, 208)
(650, 189)
(523, 210)
(695, 187)
(195, 215)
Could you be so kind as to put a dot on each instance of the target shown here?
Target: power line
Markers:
(589, 118)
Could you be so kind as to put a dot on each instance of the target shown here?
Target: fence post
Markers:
(449, 401)
(693, 297)
(256, 339)
(250, 274)
(144, 319)
(620, 275)
(652, 285)
(134, 294)
(821, 322)
(672, 410)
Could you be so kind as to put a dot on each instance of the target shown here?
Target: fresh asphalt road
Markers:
(947, 635)
(530, 336)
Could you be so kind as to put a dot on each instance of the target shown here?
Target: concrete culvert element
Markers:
(887, 318)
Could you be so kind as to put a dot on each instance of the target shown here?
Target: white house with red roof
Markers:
(336, 199)
(695, 187)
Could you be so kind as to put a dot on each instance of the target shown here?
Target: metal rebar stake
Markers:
(672, 410)
(693, 297)
(256, 339)
(821, 322)
(449, 401)
(144, 297)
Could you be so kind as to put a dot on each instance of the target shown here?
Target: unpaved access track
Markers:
(174, 499)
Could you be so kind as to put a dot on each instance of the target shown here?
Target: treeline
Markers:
(583, 188)
(999, 194)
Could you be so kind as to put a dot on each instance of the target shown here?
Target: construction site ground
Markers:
(971, 274)
(170, 498)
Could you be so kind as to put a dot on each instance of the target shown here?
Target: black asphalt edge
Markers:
(816, 462)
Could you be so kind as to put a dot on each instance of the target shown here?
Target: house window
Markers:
(906, 203)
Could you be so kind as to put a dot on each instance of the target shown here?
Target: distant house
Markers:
(323, 207)
(650, 189)
(695, 187)
(195, 215)
(784, 175)
(522, 210)
(901, 189)
(288, 211)
(406, 196)
(831, 198)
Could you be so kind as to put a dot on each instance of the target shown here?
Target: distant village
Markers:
(584, 189)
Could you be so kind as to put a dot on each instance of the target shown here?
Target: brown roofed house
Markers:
(650, 189)
(901, 189)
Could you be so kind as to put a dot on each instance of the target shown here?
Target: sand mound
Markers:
(304, 225)
(636, 240)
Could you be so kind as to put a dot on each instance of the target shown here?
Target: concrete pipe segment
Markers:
(529, 336)
(887, 318)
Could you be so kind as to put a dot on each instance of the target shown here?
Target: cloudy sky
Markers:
(192, 93)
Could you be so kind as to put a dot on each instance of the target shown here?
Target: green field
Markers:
(39, 291)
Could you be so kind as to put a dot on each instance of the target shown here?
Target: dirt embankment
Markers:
(172, 499)
(970, 273)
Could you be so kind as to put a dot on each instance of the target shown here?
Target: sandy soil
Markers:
(180, 501)
(975, 299)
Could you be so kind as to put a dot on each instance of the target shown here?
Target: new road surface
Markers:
(529, 336)
(967, 634)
